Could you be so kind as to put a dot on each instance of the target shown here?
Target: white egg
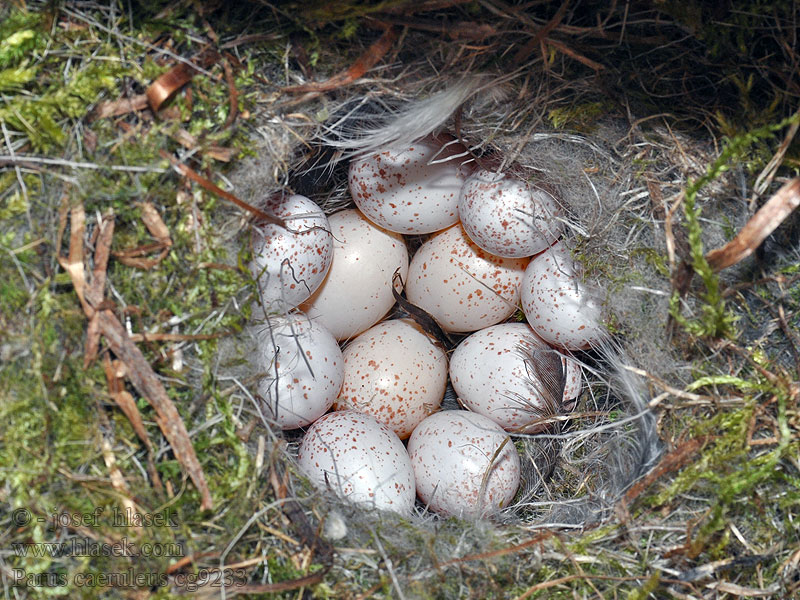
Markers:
(303, 370)
(359, 459)
(508, 217)
(414, 190)
(463, 287)
(492, 374)
(290, 263)
(357, 293)
(396, 373)
(562, 309)
(459, 465)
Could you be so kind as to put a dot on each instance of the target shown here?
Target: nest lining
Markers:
(610, 440)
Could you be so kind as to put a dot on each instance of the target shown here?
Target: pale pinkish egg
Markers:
(302, 368)
(492, 374)
(413, 190)
(357, 293)
(463, 287)
(290, 263)
(562, 309)
(459, 465)
(359, 459)
(396, 373)
(508, 217)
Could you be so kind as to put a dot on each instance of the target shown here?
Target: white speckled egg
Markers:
(359, 459)
(303, 370)
(453, 456)
(463, 287)
(291, 263)
(508, 217)
(394, 372)
(490, 374)
(414, 190)
(558, 305)
(357, 293)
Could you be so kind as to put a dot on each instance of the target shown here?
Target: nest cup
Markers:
(577, 469)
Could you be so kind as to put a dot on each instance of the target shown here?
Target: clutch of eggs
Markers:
(389, 381)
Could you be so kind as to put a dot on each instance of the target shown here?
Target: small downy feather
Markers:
(547, 379)
(398, 130)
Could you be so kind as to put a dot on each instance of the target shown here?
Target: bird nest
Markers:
(674, 475)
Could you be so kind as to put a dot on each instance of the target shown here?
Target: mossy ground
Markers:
(721, 522)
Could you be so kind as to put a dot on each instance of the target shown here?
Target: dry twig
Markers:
(760, 225)
(208, 185)
(145, 381)
(357, 70)
(139, 370)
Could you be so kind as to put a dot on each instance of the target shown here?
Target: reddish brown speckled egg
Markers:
(561, 308)
(490, 374)
(290, 263)
(508, 217)
(464, 464)
(357, 293)
(396, 373)
(463, 287)
(414, 190)
(359, 459)
(302, 370)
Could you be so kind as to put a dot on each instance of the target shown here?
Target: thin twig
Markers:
(23, 160)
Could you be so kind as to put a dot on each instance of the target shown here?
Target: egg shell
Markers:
(463, 287)
(290, 263)
(357, 292)
(394, 372)
(559, 307)
(451, 452)
(360, 460)
(413, 190)
(303, 370)
(508, 217)
(491, 374)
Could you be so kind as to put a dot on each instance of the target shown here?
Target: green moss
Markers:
(581, 117)
(652, 258)
(20, 37)
(730, 474)
(649, 587)
(745, 385)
